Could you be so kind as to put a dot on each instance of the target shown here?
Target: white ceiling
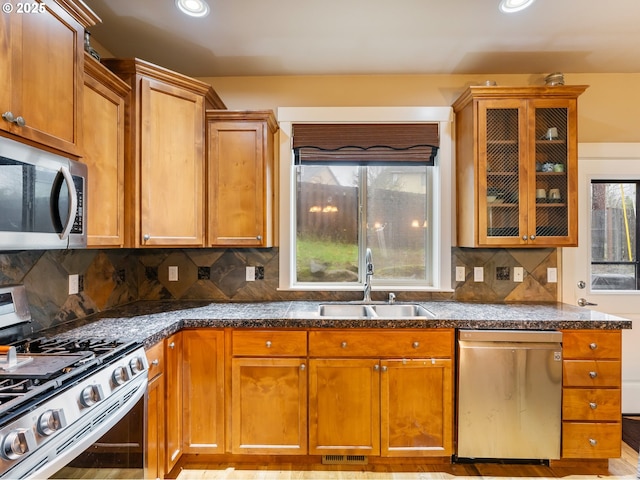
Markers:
(341, 37)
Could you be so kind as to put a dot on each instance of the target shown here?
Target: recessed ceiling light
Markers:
(194, 8)
(511, 6)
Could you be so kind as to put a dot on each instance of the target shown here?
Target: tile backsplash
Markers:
(109, 278)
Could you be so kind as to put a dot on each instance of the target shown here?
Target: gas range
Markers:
(58, 396)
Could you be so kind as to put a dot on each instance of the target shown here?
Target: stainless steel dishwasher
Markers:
(509, 394)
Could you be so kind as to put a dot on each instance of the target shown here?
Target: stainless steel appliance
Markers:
(42, 197)
(510, 394)
(62, 400)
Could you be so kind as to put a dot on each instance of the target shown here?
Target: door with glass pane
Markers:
(603, 272)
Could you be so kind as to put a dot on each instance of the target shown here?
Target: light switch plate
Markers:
(460, 274)
(518, 274)
(173, 273)
(251, 274)
(552, 275)
(478, 274)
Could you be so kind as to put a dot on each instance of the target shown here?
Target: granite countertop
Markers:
(150, 322)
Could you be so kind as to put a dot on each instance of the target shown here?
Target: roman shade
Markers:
(365, 143)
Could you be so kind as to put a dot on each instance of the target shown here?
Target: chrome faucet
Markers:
(368, 261)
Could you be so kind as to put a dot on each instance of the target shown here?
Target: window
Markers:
(336, 205)
(614, 235)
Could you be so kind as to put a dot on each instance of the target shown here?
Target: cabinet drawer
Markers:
(381, 343)
(269, 343)
(591, 404)
(591, 373)
(155, 358)
(591, 440)
(591, 344)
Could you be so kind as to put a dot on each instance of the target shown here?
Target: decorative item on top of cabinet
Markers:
(516, 166)
(164, 160)
(242, 209)
(381, 392)
(591, 394)
(41, 67)
(103, 153)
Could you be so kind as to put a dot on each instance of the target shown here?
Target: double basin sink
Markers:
(374, 310)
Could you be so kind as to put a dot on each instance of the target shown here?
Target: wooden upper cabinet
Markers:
(241, 178)
(516, 166)
(103, 153)
(41, 64)
(165, 155)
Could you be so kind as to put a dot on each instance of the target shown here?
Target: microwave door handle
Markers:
(73, 201)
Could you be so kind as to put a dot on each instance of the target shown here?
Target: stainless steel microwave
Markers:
(42, 199)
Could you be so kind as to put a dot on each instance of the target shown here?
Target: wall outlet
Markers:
(518, 274)
(478, 274)
(460, 274)
(251, 274)
(73, 284)
(552, 275)
(173, 273)
(260, 273)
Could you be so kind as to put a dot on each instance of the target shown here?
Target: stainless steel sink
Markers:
(397, 310)
(401, 310)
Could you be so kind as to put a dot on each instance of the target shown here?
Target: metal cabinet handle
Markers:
(259, 237)
(8, 116)
(384, 368)
(593, 346)
(525, 238)
(593, 374)
(415, 344)
(302, 367)
(376, 367)
(268, 344)
(593, 442)
(593, 405)
(533, 237)
(172, 345)
(343, 344)
(155, 362)
(583, 302)
(146, 237)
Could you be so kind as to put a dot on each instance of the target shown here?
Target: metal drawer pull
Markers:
(376, 367)
(302, 367)
(593, 346)
(268, 344)
(155, 362)
(593, 405)
(593, 442)
(593, 374)
(384, 368)
(8, 116)
(415, 344)
(172, 345)
(343, 344)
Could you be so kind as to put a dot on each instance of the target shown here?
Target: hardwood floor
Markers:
(624, 467)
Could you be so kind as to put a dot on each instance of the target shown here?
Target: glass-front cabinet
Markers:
(516, 166)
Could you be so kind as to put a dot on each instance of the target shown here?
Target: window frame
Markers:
(444, 191)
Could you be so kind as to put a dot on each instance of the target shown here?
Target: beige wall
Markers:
(609, 111)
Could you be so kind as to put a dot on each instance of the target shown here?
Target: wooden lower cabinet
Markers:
(173, 400)
(393, 407)
(591, 394)
(154, 463)
(203, 391)
(268, 392)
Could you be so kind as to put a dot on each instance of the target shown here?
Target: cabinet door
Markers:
(203, 390)
(103, 153)
(237, 168)
(502, 172)
(344, 407)
(172, 166)
(552, 132)
(269, 406)
(155, 429)
(173, 400)
(46, 77)
(416, 408)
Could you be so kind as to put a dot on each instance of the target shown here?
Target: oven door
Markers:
(119, 453)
